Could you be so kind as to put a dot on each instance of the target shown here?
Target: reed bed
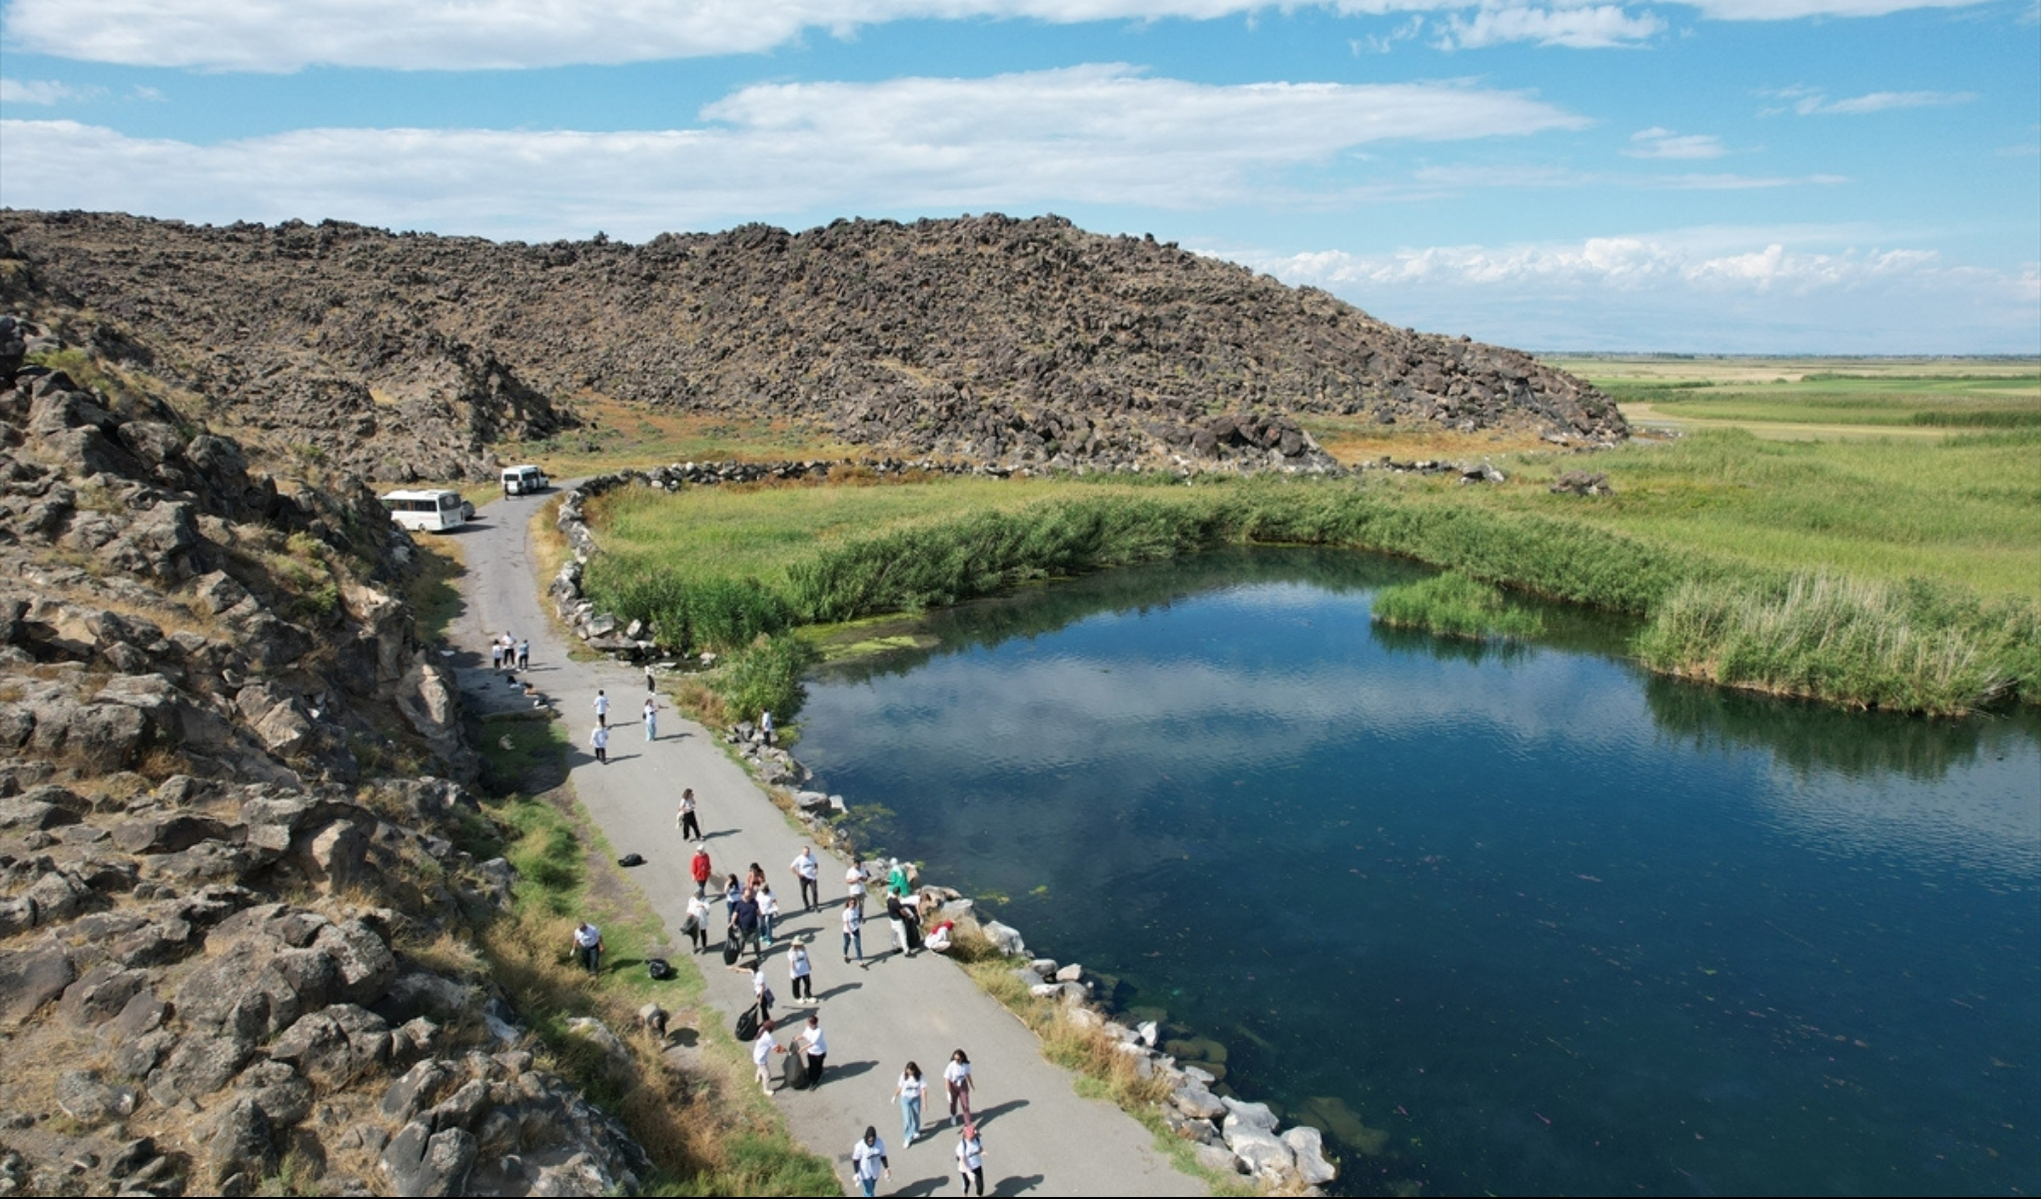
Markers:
(1453, 605)
(750, 575)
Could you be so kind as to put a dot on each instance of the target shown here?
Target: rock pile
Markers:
(986, 340)
(213, 896)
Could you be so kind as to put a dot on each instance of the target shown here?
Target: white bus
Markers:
(433, 511)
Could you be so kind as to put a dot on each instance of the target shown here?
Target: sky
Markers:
(1715, 176)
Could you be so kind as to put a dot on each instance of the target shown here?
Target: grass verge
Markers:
(685, 1099)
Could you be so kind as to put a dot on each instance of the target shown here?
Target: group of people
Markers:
(751, 910)
(598, 737)
(509, 653)
(868, 1160)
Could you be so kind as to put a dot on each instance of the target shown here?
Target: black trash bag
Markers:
(631, 859)
(747, 1025)
(659, 968)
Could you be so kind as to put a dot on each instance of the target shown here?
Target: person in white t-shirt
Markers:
(971, 1158)
(768, 909)
(868, 1161)
(809, 872)
(762, 1050)
(801, 972)
(598, 743)
(853, 934)
(854, 886)
(957, 1081)
(816, 1048)
(602, 708)
(909, 1092)
(588, 946)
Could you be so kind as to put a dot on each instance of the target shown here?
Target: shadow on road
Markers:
(1016, 1184)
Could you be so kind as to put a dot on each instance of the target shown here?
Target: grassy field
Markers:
(1821, 397)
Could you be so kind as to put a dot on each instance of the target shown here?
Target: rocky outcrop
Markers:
(986, 339)
(209, 889)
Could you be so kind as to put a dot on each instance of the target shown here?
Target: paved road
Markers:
(1041, 1138)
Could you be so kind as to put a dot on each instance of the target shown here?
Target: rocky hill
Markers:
(230, 786)
(986, 338)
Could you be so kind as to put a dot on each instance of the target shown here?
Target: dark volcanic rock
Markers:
(984, 338)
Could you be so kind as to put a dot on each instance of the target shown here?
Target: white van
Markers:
(523, 480)
(433, 511)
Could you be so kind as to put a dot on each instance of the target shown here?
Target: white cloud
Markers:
(1664, 143)
(1593, 28)
(1703, 290)
(1101, 134)
(38, 91)
(472, 34)
(1812, 102)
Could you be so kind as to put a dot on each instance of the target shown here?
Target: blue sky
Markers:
(1779, 176)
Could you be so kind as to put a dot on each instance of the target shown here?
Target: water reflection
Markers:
(1527, 921)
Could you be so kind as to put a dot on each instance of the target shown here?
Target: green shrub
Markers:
(765, 676)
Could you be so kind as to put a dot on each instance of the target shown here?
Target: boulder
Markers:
(240, 1143)
(89, 1101)
(335, 1046)
(1192, 1099)
(284, 1096)
(1005, 938)
(1070, 974)
(1260, 1150)
(419, 1161)
(411, 1093)
(1249, 1115)
(102, 993)
(30, 978)
(1216, 1159)
(1307, 1147)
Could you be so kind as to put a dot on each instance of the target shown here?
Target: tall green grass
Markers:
(1913, 648)
(1737, 617)
(1454, 605)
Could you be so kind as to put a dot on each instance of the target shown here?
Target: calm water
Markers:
(1527, 921)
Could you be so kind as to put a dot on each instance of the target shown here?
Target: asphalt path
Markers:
(1041, 1137)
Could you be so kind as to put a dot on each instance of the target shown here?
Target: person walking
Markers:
(800, 972)
(761, 991)
(957, 1081)
(971, 1159)
(602, 708)
(853, 934)
(690, 823)
(768, 911)
(524, 653)
(868, 1161)
(744, 926)
(762, 1049)
(699, 867)
(911, 1087)
(732, 892)
(588, 946)
(697, 924)
(854, 886)
(651, 720)
(808, 872)
(496, 653)
(598, 743)
(815, 1047)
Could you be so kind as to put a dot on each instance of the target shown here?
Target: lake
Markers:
(1497, 919)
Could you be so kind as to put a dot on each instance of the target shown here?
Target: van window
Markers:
(449, 502)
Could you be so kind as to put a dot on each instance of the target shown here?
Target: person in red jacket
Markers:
(701, 870)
